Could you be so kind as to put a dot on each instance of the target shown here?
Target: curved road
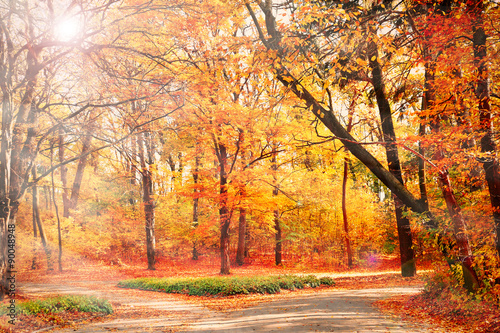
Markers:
(324, 311)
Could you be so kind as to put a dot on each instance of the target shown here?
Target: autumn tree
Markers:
(324, 114)
(24, 58)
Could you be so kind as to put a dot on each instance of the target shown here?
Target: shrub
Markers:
(66, 303)
(225, 286)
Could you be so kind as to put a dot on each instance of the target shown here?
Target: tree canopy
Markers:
(309, 132)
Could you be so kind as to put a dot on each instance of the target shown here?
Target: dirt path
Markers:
(324, 311)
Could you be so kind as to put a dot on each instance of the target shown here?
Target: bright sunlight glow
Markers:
(67, 29)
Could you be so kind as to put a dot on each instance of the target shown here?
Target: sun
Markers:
(67, 29)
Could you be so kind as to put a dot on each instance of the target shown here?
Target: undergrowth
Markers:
(71, 303)
(452, 305)
(225, 286)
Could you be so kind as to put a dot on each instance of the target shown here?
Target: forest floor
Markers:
(377, 289)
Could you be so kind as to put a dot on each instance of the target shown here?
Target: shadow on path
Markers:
(324, 311)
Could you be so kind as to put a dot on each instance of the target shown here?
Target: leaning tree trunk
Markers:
(408, 267)
(333, 124)
(82, 163)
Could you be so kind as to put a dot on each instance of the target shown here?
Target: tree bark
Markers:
(16, 147)
(196, 200)
(132, 168)
(38, 221)
(223, 210)
(457, 218)
(421, 171)
(408, 267)
(240, 252)
(82, 163)
(64, 176)
(278, 247)
(344, 214)
(490, 161)
(147, 199)
(59, 235)
(34, 264)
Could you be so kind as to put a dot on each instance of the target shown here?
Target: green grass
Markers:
(225, 286)
(71, 303)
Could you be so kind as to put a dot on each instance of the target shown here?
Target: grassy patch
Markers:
(70, 303)
(225, 286)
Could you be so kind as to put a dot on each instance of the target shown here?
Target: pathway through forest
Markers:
(322, 311)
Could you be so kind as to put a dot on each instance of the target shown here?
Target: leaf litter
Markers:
(97, 276)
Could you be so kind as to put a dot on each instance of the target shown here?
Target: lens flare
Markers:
(67, 30)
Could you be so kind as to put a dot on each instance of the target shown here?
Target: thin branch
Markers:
(132, 131)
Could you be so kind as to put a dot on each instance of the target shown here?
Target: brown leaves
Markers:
(450, 312)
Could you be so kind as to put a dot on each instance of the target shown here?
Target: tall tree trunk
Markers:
(59, 235)
(278, 247)
(223, 210)
(457, 218)
(490, 162)
(278, 250)
(38, 220)
(428, 100)
(48, 197)
(34, 264)
(196, 200)
(242, 222)
(471, 281)
(64, 176)
(82, 163)
(132, 168)
(5, 176)
(344, 191)
(176, 178)
(147, 198)
(247, 237)
(17, 141)
(240, 252)
(421, 170)
(408, 267)
(7, 227)
(344, 214)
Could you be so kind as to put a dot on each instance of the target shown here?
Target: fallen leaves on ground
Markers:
(30, 323)
(96, 276)
(450, 312)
